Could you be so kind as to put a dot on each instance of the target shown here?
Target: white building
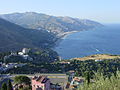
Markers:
(25, 50)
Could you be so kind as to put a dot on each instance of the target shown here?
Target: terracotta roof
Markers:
(78, 79)
(41, 79)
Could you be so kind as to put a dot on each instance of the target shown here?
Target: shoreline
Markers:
(62, 37)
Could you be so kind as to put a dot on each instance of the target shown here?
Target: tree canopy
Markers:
(22, 79)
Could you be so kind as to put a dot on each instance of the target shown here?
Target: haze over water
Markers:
(99, 41)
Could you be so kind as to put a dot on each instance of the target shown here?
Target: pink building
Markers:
(40, 83)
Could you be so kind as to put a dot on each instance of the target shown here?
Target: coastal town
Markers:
(17, 68)
(38, 81)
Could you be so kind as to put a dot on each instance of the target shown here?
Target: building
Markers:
(76, 82)
(98, 60)
(40, 83)
(24, 54)
(25, 50)
(71, 75)
(63, 62)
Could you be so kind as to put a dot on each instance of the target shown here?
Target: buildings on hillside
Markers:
(4, 67)
(24, 51)
(44, 83)
(24, 54)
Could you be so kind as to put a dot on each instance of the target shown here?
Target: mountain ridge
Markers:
(15, 37)
(57, 25)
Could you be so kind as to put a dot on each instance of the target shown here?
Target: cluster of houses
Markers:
(5, 67)
(23, 54)
(40, 83)
(44, 83)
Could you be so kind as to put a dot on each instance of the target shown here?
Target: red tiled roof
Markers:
(41, 79)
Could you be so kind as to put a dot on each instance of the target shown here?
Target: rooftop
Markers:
(41, 79)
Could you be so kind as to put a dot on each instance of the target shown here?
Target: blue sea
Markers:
(105, 40)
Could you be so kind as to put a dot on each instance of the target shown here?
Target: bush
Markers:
(22, 79)
(102, 83)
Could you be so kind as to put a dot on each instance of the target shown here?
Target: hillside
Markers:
(57, 25)
(98, 57)
(15, 37)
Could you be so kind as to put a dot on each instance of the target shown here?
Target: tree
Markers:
(87, 76)
(22, 79)
(9, 85)
(4, 86)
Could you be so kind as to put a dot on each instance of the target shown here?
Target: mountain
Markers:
(56, 25)
(15, 37)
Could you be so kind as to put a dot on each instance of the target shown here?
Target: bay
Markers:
(104, 40)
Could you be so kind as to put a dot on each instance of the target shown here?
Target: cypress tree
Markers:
(4, 86)
(9, 85)
(88, 77)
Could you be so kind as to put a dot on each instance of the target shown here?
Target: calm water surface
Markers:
(100, 41)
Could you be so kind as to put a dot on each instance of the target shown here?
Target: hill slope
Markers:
(57, 25)
(14, 37)
(98, 57)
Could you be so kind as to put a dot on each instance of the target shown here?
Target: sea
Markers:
(103, 40)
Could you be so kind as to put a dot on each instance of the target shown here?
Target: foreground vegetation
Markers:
(107, 67)
(103, 74)
(102, 83)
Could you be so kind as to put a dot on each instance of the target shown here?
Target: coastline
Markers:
(62, 37)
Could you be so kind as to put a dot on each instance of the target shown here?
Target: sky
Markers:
(104, 11)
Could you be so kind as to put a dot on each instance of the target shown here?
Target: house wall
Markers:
(40, 86)
(47, 85)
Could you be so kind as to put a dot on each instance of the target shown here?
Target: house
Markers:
(71, 75)
(40, 83)
(63, 62)
(24, 51)
(98, 60)
(24, 54)
(76, 82)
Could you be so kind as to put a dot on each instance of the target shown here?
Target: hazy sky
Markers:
(104, 11)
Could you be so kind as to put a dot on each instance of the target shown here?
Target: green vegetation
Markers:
(98, 74)
(103, 83)
(9, 85)
(2, 55)
(107, 67)
(87, 77)
(14, 37)
(22, 79)
(38, 56)
(43, 56)
(4, 86)
(22, 83)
